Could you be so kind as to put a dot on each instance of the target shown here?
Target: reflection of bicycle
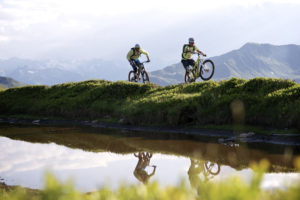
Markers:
(206, 169)
(212, 168)
(202, 68)
(141, 72)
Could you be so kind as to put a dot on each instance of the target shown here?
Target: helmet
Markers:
(137, 46)
(191, 40)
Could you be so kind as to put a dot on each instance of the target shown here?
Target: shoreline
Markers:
(226, 137)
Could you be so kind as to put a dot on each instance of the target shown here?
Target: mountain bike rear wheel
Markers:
(131, 77)
(207, 70)
(189, 77)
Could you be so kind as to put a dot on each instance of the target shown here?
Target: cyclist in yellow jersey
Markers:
(133, 57)
(187, 54)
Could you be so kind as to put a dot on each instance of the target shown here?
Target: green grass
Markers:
(257, 102)
(229, 189)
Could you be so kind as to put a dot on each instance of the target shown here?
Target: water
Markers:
(95, 157)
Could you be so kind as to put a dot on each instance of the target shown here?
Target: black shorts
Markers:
(187, 63)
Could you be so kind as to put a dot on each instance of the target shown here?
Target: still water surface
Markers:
(96, 157)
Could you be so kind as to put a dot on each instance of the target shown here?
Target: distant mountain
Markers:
(251, 60)
(49, 72)
(6, 82)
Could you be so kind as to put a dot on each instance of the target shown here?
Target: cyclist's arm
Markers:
(145, 53)
(130, 53)
(200, 51)
(187, 50)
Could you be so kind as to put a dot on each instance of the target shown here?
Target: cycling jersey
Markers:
(188, 55)
(134, 54)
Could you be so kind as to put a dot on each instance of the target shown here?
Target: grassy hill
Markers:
(6, 82)
(250, 61)
(259, 101)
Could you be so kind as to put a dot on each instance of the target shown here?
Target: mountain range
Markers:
(251, 60)
(6, 82)
(50, 72)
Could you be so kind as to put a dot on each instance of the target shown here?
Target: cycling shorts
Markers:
(187, 63)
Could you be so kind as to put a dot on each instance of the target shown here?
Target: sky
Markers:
(77, 29)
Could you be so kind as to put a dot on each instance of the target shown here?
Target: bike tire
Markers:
(189, 78)
(145, 77)
(208, 166)
(131, 77)
(211, 73)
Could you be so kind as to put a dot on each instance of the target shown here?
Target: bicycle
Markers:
(202, 68)
(212, 168)
(141, 71)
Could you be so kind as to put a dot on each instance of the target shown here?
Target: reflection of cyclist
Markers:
(195, 169)
(133, 57)
(187, 53)
(140, 170)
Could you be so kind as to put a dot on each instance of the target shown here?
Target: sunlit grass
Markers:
(258, 102)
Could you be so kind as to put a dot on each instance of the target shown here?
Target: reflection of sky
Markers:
(24, 163)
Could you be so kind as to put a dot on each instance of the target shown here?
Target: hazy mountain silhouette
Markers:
(51, 72)
(251, 60)
(6, 82)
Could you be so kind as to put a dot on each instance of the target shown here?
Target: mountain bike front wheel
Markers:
(131, 77)
(189, 77)
(207, 70)
(145, 77)
(212, 168)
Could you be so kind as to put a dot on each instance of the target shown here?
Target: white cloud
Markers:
(19, 156)
(107, 29)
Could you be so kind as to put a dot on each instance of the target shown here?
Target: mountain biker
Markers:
(133, 57)
(187, 53)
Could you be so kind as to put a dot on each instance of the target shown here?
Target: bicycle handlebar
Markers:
(195, 52)
(145, 61)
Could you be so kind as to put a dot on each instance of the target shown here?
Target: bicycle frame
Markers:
(198, 63)
(141, 68)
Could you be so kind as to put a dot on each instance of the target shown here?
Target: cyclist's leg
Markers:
(133, 65)
(138, 64)
(191, 62)
(185, 64)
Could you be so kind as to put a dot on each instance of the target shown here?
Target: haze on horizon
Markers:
(75, 29)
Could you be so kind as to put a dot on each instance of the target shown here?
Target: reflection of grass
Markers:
(232, 188)
(260, 102)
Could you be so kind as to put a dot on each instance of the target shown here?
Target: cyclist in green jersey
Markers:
(133, 57)
(187, 54)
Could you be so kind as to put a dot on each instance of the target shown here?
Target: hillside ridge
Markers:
(258, 101)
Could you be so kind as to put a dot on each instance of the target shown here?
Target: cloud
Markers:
(69, 29)
(19, 156)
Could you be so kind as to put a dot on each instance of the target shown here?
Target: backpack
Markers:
(185, 45)
(134, 51)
